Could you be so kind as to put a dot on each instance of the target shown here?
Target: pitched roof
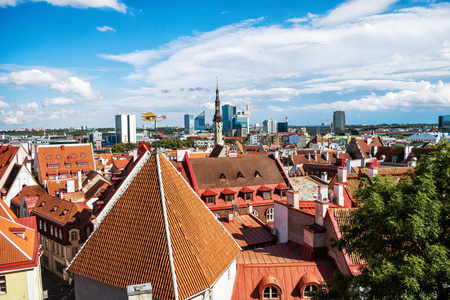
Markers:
(6, 212)
(7, 153)
(165, 234)
(255, 170)
(60, 155)
(19, 244)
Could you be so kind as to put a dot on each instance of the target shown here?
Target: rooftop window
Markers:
(271, 292)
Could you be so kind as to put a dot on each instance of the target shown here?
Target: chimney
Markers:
(375, 150)
(407, 152)
(322, 194)
(383, 157)
(293, 197)
(249, 209)
(309, 156)
(45, 183)
(80, 182)
(373, 170)
(135, 154)
(140, 292)
(327, 157)
(61, 195)
(324, 176)
(339, 193)
(230, 217)
(321, 210)
(342, 174)
(275, 154)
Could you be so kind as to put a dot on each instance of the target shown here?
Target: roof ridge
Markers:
(166, 228)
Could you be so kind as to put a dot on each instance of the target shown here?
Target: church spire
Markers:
(218, 121)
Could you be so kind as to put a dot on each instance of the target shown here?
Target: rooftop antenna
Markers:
(217, 83)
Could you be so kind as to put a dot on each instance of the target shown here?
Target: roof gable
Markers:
(165, 227)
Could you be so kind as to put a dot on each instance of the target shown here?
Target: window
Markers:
(239, 175)
(57, 249)
(255, 213)
(60, 234)
(74, 155)
(83, 154)
(270, 292)
(40, 224)
(210, 199)
(2, 285)
(53, 166)
(52, 176)
(75, 174)
(229, 198)
(45, 226)
(283, 193)
(309, 291)
(64, 175)
(217, 216)
(51, 229)
(58, 156)
(266, 195)
(88, 231)
(74, 251)
(235, 214)
(49, 156)
(68, 165)
(45, 261)
(248, 196)
(74, 236)
(269, 214)
(53, 247)
(59, 267)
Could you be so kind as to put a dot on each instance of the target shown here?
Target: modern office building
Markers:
(444, 123)
(228, 112)
(126, 128)
(199, 121)
(241, 123)
(339, 120)
(283, 126)
(270, 126)
(189, 127)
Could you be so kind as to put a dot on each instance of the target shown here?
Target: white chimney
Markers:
(342, 175)
(373, 171)
(375, 150)
(80, 182)
(324, 176)
(322, 194)
(321, 211)
(135, 154)
(293, 197)
(327, 157)
(249, 209)
(407, 152)
(230, 217)
(339, 193)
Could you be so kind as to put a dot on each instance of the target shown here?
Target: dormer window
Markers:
(74, 155)
(257, 174)
(210, 199)
(309, 291)
(83, 154)
(229, 197)
(271, 292)
(74, 235)
(58, 156)
(239, 175)
(54, 208)
(248, 196)
(48, 156)
(222, 176)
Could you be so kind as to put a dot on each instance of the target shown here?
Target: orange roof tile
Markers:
(19, 245)
(7, 153)
(142, 222)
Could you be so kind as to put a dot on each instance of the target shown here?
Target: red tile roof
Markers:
(7, 153)
(209, 193)
(141, 222)
(17, 251)
(284, 263)
(61, 154)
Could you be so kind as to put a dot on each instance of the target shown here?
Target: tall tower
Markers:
(218, 121)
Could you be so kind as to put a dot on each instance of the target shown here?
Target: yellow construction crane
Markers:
(150, 117)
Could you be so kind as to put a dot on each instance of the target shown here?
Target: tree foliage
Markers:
(122, 147)
(401, 231)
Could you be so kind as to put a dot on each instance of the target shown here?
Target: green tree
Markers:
(122, 147)
(401, 231)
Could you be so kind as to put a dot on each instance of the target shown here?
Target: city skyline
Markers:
(76, 64)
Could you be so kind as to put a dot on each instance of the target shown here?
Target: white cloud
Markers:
(78, 86)
(113, 4)
(424, 96)
(275, 108)
(384, 53)
(3, 104)
(354, 9)
(61, 114)
(58, 101)
(33, 76)
(105, 28)
(29, 112)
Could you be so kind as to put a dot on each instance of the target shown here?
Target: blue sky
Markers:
(79, 62)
